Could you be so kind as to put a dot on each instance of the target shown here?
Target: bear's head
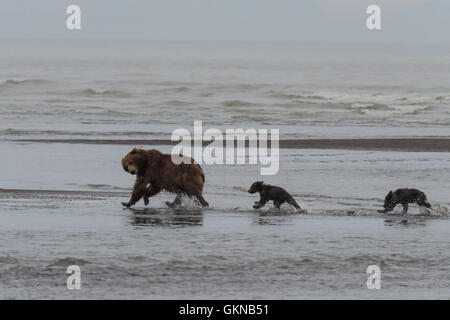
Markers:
(256, 187)
(390, 200)
(135, 162)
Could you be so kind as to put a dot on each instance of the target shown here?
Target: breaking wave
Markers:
(109, 93)
(12, 82)
(237, 103)
(64, 262)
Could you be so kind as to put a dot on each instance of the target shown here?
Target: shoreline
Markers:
(381, 144)
(74, 193)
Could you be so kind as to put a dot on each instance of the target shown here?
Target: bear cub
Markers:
(271, 193)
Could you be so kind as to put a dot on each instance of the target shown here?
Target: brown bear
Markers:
(157, 170)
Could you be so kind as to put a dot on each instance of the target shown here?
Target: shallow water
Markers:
(228, 250)
(60, 202)
(214, 253)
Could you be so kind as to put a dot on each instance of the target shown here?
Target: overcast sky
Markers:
(322, 21)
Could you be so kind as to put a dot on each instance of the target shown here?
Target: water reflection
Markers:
(275, 217)
(403, 221)
(170, 218)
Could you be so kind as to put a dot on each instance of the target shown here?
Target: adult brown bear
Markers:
(157, 170)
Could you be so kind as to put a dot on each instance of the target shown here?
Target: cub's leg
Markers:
(405, 208)
(292, 202)
(260, 199)
(389, 209)
(277, 203)
(422, 201)
(262, 202)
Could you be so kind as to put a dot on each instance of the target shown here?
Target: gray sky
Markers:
(322, 21)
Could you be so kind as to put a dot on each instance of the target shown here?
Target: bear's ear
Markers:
(135, 150)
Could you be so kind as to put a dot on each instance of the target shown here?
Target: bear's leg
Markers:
(194, 188)
(138, 192)
(195, 200)
(201, 199)
(176, 202)
(150, 192)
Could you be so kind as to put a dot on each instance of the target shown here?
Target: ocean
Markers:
(70, 110)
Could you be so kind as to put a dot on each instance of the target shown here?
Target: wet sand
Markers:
(406, 145)
(416, 144)
(31, 192)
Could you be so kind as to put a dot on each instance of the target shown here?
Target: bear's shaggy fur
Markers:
(157, 170)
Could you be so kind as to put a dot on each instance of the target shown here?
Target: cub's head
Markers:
(135, 161)
(390, 200)
(256, 187)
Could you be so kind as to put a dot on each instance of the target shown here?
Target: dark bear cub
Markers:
(268, 193)
(404, 197)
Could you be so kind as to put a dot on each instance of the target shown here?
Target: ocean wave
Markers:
(204, 264)
(21, 132)
(67, 261)
(237, 103)
(251, 86)
(178, 103)
(294, 96)
(395, 109)
(8, 260)
(372, 106)
(12, 82)
(110, 93)
(180, 89)
(360, 97)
